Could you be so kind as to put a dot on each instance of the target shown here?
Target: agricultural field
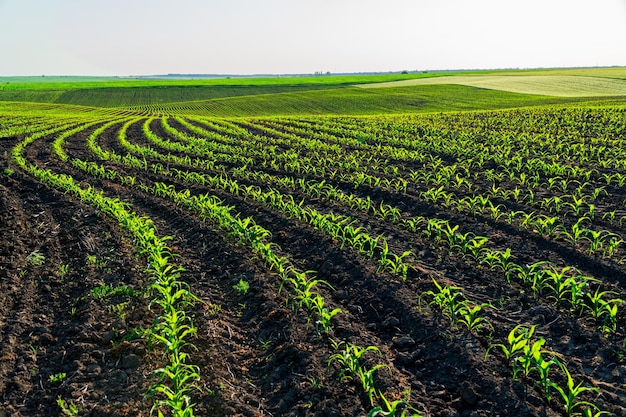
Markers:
(554, 85)
(280, 260)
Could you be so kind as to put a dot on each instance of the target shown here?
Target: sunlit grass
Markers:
(548, 85)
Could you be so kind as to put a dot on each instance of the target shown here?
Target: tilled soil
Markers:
(257, 355)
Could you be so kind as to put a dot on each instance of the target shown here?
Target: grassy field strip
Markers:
(360, 101)
(547, 85)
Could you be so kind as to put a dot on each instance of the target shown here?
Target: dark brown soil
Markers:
(258, 356)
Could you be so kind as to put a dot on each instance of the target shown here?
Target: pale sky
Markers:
(144, 37)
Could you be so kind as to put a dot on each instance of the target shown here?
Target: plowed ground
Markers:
(256, 354)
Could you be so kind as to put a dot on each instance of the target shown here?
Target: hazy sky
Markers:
(133, 37)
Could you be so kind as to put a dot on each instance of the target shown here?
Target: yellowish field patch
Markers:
(548, 85)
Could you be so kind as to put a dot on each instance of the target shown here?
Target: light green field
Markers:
(411, 99)
(547, 85)
(436, 91)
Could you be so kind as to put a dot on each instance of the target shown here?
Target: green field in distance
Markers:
(328, 94)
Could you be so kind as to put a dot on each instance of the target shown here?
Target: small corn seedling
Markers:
(324, 315)
(543, 366)
(576, 205)
(475, 247)
(598, 238)
(570, 394)
(576, 233)
(499, 260)
(518, 340)
(434, 227)
(511, 215)
(450, 233)
(36, 258)
(528, 220)
(387, 212)
(70, 409)
(526, 273)
(496, 212)
(547, 226)
(414, 224)
(349, 358)
(392, 408)
(558, 281)
(530, 355)
(366, 375)
(349, 361)
(610, 217)
(63, 270)
(56, 379)
(242, 286)
(602, 310)
(612, 246)
(395, 264)
(468, 315)
(457, 308)
(447, 298)
(579, 287)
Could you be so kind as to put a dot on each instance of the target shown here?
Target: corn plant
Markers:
(475, 247)
(614, 243)
(394, 263)
(576, 233)
(604, 310)
(324, 315)
(610, 217)
(447, 298)
(496, 211)
(579, 287)
(547, 226)
(543, 367)
(530, 355)
(387, 212)
(70, 409)
(36, 258)
(351, 365)
(348, 359)
(557, 281)
(56, 379)
(468, 315)
(457, 308)
(570, 394)
(392, 408)
(518, 340)
(499, 260)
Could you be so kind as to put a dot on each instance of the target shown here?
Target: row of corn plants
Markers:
(303, 286)
(449, 299)
(303, 293)
(445, 175)
(565, 285)
(337, 226)
(548, 280)
(530, 358)
(173, 326)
